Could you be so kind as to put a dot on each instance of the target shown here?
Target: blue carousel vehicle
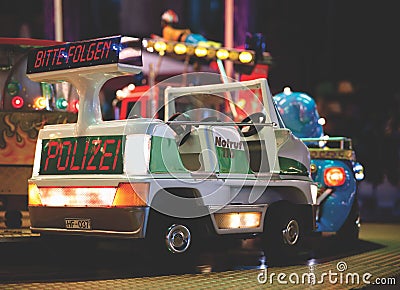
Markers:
(333, 165)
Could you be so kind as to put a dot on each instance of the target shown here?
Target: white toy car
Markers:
(196, 173)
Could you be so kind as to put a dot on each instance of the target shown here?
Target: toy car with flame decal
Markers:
(25, 107)
(196, 172)
(333, 165)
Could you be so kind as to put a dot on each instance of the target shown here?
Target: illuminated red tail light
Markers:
(334, 176)
(123, 195)
(77, 196)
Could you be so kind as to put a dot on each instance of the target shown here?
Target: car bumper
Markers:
(117, 222)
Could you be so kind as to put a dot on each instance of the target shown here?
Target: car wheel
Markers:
(168, 237)
(178, 238)
(283, 232)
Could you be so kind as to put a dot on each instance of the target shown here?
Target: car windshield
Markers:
(202, 96)
(210, 102)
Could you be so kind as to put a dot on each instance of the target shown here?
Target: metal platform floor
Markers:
(370, 269)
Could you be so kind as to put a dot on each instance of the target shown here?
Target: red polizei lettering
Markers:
(49, 154)
(73, 166)
(97, 146)
(65, 143)
(84, 155)
(105, 155)
(116, 155)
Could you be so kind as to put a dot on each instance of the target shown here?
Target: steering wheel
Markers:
(181, 130)
(252, 129)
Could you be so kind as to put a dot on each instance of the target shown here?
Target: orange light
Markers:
(170, 47)
(190, 50)
(233, 55)
(211, 53)
(313, 168)
(33, 195)
(40, 103)
(131, 194)
(334, 176)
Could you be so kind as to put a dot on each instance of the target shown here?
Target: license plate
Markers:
(77, 223)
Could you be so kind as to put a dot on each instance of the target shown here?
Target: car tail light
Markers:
(33, 195)
(334, 176)
(131, 194)
(77, 196)
(124, 195)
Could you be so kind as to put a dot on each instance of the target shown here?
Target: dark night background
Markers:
(320, 47)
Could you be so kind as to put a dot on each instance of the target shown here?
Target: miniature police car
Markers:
(333, 166)
(188, 173)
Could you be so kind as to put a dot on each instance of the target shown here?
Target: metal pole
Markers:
(229, 41)
(58, 21)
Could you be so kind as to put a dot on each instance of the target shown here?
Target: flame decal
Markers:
(19, 131)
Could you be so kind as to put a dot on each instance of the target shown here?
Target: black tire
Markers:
(349, 232)
(283, 232)
(162, 229)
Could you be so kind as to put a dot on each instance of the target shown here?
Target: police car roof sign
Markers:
(87, 65)
(118, 51)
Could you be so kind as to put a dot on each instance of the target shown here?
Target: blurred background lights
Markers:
(287, 91)
(200, 51)
(17, 102)
(321, 121)
(61, 104)
(131, 87)
(13, 88)
(222, 54)
(180, 48)
(40, 103)
(245, 57)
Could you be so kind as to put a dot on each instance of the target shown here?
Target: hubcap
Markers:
(291, 233)
(178, 238)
